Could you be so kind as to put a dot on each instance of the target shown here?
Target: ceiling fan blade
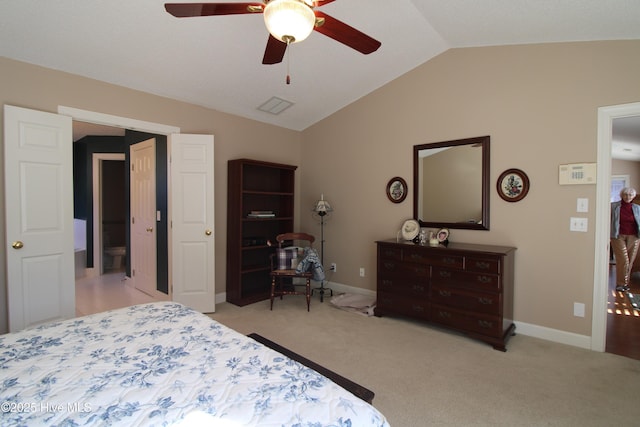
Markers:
(346, 34)
(274, 52)
(318, 3)
(186, 10)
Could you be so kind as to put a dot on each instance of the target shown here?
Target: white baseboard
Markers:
(542, 332)
(555, 335)
(221, 297)
(339, 288)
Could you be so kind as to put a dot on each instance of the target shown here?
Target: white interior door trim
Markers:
(97, 159)
(117, 121)
(606, 115)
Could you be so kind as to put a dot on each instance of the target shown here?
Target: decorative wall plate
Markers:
(513, 185)
(397, 189)
(410, 229)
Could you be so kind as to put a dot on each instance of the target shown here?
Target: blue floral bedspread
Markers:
(162, 364)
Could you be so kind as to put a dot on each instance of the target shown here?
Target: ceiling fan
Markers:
(288, 21)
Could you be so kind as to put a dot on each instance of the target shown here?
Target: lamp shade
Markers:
(289, 21)
(322, 206)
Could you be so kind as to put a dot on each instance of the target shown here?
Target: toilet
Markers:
(116, 253)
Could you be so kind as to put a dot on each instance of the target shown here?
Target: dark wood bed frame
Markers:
(356, 389)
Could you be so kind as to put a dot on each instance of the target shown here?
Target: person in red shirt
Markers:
(625, 238)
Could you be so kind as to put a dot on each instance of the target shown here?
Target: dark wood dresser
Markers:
(466, 287)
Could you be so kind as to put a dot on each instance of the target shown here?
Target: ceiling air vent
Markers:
(275, 105)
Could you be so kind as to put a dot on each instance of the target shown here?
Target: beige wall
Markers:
(538, 102)
(539, 105)
(38, 88)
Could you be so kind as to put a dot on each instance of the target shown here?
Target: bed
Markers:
(162, 364)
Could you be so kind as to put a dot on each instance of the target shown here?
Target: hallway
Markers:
(106, 292)
(623, 321)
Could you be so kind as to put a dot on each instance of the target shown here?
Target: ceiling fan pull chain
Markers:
(288, 61)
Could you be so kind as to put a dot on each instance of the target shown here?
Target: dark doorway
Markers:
(114, 214)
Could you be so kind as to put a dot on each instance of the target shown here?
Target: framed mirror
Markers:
(451, 184)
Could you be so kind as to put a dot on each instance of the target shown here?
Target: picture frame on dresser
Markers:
(442, 235)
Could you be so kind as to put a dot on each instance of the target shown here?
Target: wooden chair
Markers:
(289, 273)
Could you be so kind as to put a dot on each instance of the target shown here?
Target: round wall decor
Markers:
(513, 185)
(397, 189)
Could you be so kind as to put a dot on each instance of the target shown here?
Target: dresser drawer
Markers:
(407, 286)
(476, 281)
(392, 267)
(433, 258)
(484, 324)
(390, 302)
(489, 303)
(390, 252)
(482, 265)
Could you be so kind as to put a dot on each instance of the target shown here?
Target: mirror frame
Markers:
(484, 141)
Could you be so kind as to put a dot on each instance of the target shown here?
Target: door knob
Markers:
(17, 245)
(150, 229)
(207, 232)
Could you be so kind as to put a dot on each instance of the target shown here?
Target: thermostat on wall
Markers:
(577, 173)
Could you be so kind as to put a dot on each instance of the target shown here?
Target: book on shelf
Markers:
(261, 214)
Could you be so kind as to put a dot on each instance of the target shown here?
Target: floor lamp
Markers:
(322, 208)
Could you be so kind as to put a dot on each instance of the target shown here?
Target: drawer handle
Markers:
(449, 260)
(418, 308)
(444, 293)
(389, 253)
(444, 314)
(445, 274)
(387, 282)
(483, 265)
(390, 265)
(484, 279)
(419, 270)
(485, 301)
(418, 288)
(485, 324)
(416, 257)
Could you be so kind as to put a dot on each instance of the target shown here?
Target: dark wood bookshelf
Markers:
(255, 186)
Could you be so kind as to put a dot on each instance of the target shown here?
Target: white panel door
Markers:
(191, 215)
(143, 216)
(39, 217)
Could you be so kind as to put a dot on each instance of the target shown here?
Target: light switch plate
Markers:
(583, 205)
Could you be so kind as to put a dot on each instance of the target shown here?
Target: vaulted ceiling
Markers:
(216, 61)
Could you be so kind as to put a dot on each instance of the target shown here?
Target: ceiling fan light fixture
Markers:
(290, 21)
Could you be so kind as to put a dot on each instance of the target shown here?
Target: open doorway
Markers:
(110, 212)
(608, 132)
(623, 319)
(193, 276)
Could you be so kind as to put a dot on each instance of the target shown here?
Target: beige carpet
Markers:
(422, 375)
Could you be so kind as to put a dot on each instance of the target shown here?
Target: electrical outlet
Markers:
(578, 224)
(361, 271)
(333, 267)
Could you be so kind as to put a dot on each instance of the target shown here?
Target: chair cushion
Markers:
(285, 257)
